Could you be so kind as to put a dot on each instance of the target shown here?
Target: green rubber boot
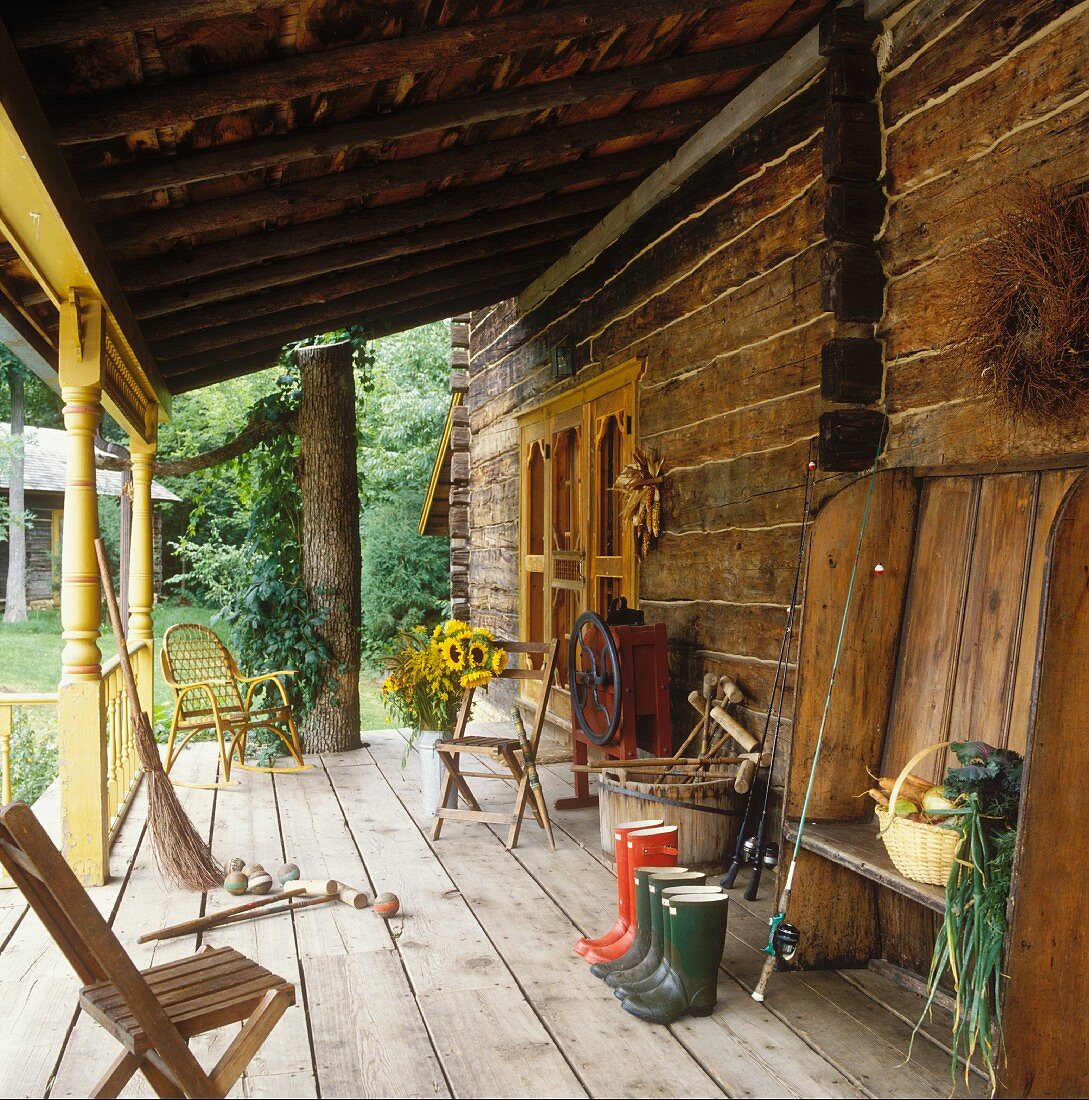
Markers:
(661, 971)
(641, 945)
(697, 930)
(657, 881)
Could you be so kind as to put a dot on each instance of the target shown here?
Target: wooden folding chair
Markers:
(504, 750)
(151, 1013)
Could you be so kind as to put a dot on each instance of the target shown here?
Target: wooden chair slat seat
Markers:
(207, 686)
(152, 1013)
(206, 991)
(507, 751)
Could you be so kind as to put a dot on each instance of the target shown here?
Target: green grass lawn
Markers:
(30, 652)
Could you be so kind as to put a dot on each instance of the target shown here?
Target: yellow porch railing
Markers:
(122, 762)
(9, 702)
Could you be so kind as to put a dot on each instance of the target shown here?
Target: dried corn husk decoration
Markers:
(640, 486)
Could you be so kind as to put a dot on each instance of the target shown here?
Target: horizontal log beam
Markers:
(141, 177)
(374, 222)
(115, 114)
(34, 25)
(314, 319)
(135, 234)
(472, 298)
(317, 292)
(252, 280)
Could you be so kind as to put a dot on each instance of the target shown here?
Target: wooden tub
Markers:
(707, 812)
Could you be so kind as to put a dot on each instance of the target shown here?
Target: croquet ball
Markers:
(260, 883)
(252, 869)
(236, 882)
(289, 872)
(235, 863)
(387, 904)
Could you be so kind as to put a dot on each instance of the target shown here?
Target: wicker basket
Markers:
(919, 851)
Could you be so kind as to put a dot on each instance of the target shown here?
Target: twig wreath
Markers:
(1025, 306)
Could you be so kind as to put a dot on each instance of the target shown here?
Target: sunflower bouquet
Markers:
(430, 673)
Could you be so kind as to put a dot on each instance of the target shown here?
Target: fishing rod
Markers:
(752, 848)
(783, 938)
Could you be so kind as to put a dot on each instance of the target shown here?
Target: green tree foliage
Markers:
(405, 575)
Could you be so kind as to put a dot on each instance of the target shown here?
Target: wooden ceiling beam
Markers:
(142, 176)
(33, 25)
(425, 311)
(370, 223)
(329, 288)
(421, 242)
(296, 324)
(131, 234)
(131, 110)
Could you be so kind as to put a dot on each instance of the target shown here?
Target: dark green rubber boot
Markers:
(657, 881)
(659, 973)
(641, 945)
(697, 931)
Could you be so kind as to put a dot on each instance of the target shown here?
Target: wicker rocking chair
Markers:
(206, 683)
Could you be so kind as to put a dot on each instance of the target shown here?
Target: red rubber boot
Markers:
(653, 847)
(625, 911)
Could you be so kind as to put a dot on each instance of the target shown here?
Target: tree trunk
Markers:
(15, 605)
(330, 553)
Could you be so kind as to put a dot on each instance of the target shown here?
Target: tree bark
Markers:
(330, 551)
(15, 602)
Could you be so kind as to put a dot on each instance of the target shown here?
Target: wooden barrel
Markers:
(707, 812)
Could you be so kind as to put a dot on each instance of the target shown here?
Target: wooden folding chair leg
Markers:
(248, 1041)
(444, 797)
(116, 1077)
(166, 1088)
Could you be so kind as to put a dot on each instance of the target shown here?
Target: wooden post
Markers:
(142, 567)
(331, 554)
(81, 734)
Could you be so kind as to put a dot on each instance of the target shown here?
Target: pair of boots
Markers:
(671, 969)
(638, 843)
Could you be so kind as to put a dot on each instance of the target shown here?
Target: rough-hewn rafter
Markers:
(374, 222)
(422, 242)
(292, 200)
(312, 319)
(33, 25)
(146, 108)
(140, 177)
(418, 313)
(317, 292)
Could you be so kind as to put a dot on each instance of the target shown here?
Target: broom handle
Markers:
(119, 631)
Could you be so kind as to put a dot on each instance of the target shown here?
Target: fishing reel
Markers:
(750, 854)
(783, 939)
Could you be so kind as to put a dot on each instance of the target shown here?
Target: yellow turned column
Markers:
(141, 582)
(81, 719)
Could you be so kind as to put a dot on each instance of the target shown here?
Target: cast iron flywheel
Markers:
(594, 667)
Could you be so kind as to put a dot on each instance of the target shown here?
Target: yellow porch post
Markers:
(142, 567)
(81, 724)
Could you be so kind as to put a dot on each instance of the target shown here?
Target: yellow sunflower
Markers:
(499, 661)
(476, 678)
(452, 653)
(478, 655)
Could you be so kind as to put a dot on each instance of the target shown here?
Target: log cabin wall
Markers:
(977, 98)
(719, 293)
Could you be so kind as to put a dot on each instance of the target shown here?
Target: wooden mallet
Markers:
(346, 895)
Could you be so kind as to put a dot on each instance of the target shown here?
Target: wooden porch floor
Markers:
(474, 990)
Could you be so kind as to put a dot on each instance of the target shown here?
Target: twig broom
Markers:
(180, 854)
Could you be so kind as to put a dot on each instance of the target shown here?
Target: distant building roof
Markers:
(45, 451)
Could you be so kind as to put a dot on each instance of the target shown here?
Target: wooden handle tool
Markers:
(735, 729)
(171, 931)
(320, 887)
